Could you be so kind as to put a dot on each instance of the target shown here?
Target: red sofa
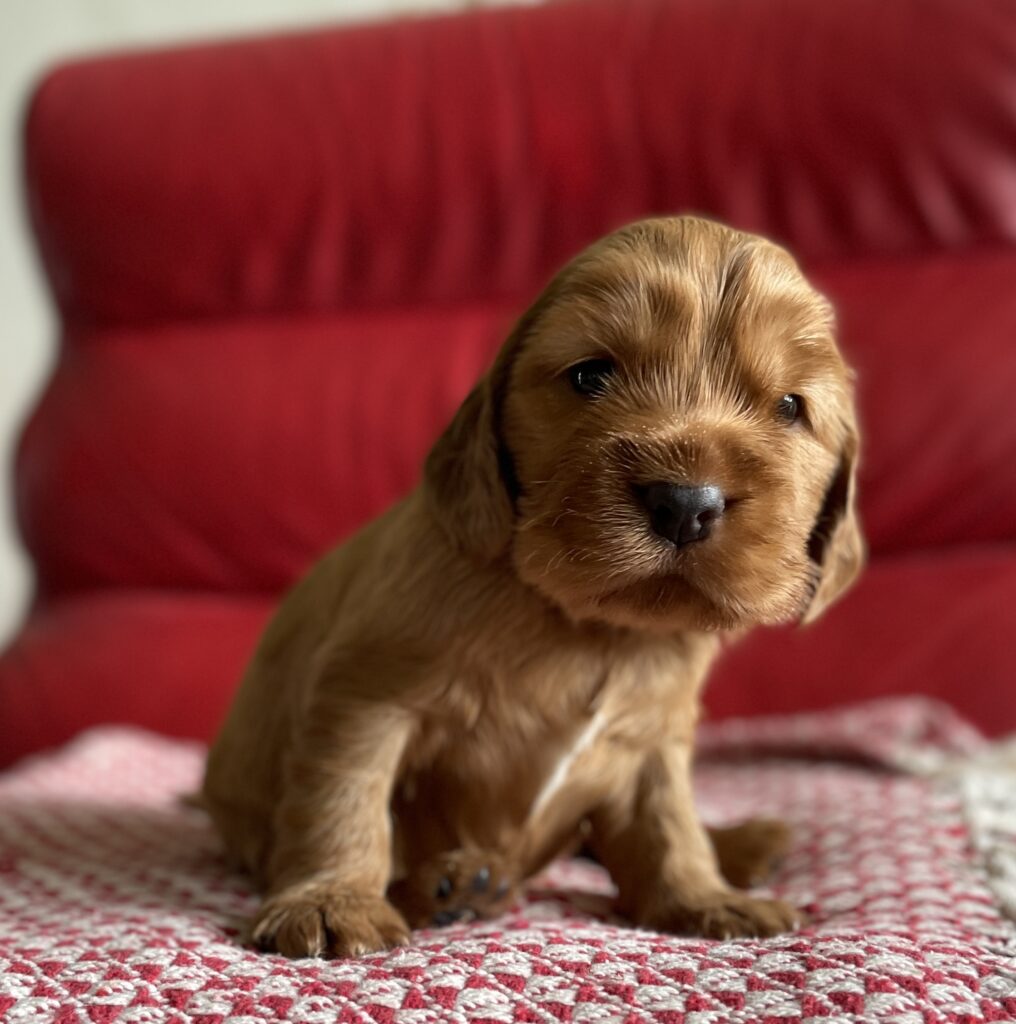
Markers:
(279, 263)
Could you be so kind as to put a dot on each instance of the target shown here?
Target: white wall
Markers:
(33, 35)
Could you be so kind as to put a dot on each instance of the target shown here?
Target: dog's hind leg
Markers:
(750, 852)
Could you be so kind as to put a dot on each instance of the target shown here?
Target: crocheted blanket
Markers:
(116, 903)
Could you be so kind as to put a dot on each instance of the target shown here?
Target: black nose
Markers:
(682, 514)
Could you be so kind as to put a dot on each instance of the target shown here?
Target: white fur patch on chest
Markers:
(559, 776)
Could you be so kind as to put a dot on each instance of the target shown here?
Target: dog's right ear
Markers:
(468, 477)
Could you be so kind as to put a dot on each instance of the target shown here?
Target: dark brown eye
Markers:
(591, 377)
(790, 408)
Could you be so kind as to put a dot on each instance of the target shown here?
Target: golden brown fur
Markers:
(510, 657)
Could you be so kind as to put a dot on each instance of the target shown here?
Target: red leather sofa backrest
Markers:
(281, 262)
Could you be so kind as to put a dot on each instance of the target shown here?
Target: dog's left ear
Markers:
(836, 544)
(468, 476)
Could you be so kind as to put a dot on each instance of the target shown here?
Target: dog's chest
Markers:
(505, 740)
(493, 748)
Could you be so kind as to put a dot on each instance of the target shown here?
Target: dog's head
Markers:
(667, 439)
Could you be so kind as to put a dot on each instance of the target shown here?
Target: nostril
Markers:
(681, 513)
(708, 515)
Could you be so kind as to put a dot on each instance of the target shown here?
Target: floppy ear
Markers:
(468, 476)
(836, 544)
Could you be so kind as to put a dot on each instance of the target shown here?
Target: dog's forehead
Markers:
(739, 308)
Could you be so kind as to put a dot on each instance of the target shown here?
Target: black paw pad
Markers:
(446, 917)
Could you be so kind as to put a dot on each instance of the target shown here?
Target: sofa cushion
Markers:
(170, 661)
(350, 169)
(230, 456)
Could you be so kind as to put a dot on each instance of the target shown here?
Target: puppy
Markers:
(663, 454)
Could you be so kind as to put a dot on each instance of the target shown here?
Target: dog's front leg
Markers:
(648, 835)
(331, 852)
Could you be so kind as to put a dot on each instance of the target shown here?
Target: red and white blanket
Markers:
(116, 904)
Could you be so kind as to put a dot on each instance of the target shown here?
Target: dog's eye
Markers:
(790, 408)
(590, 378)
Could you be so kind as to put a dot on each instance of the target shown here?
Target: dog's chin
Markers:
(674, 603)
(670, 602)
(666, 604)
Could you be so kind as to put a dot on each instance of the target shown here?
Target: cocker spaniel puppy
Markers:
(510, 658)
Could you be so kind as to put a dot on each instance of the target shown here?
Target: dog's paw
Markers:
(725, 915)
(327, 921)
(749, 853)
(457, 886)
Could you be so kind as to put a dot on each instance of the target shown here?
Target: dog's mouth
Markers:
(679, 600)
(730, 579)
(604, 558)
(669, 599)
